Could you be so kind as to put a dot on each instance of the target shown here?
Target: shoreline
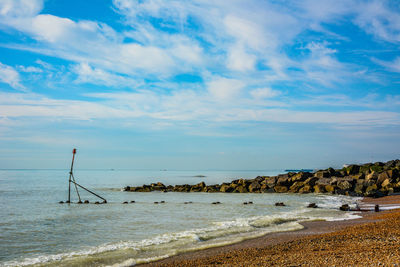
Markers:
(271, 249)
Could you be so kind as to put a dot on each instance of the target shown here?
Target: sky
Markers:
(199, 84)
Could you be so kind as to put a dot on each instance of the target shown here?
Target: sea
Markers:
(35, 230)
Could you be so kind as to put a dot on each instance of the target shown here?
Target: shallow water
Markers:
(35, 229)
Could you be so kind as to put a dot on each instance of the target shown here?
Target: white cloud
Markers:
(239, 60)
(87, 74)
(20, 8)
(224, 89)
(393, 66)
(10, 76)
(261, 93)
(30, 69)
(380, 18)
(182, 107)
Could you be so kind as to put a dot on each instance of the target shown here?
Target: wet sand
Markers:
(371, 240)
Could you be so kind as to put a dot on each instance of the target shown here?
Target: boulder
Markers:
(385, 183)
(280, 189)
(352, 169)
(240, 189)
(280, 204)
(271, 181)
(311, 181)
(254, 187)
(283, 179)
(305, 189)
(296, 186)
(323, 181)
(345, 207)
(319, 188)
(382, 177)
(198, 187)
(370, 190)
(371, 176)
(322, 174)
(300, 176)
(377, 167)
(226, 188)
(329, 188)
(359, 189)
(344, 185)
(312, 205)
(212, 188)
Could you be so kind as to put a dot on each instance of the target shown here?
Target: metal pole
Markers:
(70, 175)
(76, 188)
(88, 190)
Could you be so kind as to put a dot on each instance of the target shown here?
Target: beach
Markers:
(373, 239)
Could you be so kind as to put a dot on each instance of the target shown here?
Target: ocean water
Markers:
(36, 230)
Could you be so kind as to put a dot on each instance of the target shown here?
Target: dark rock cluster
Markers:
(371, 179)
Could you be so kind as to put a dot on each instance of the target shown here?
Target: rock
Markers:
(323, 181)
(79, 202)
(344, 185)
(127, 188)
(311, 181)
(225, 188)
(155, 202)
(198, 187)
(371, 176)
(371, 190)
(322, 174)
(125, 202)
(352, 169)
(305, 189)
(280, 204)
(319, 188)
(96, 202)
(382, 177)
(377, 167)
(345, 207)
(254, 187)
(312, 205)
(271, 181)
(331, 171)
(300, 176)
(296, 186)
(212, 188)
(240, 189)
(162, 202)
(280, 189)
(182, 188)
(61, 202)
(329, 188)
(359, 189)
(385, 183)
(250, 202)
(86, 202)
(216, 203)
(244, 203)
(283, 179)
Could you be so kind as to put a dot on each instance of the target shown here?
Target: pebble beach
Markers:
(373, 240)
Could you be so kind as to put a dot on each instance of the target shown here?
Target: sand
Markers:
(372, 240)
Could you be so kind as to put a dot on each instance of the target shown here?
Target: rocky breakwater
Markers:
(371, 179)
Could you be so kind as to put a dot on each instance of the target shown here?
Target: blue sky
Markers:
(199, 84)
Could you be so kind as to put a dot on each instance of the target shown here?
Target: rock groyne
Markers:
(370, 179)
